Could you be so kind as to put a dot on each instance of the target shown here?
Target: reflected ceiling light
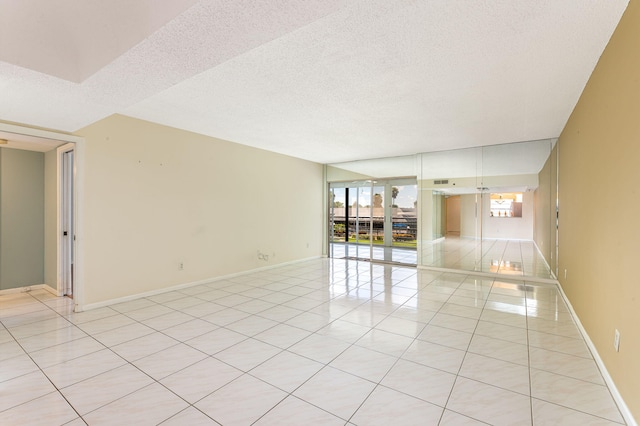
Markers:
(3, 141)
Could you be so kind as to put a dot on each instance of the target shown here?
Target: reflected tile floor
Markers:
(405, 256)
(505, 257)
(324, 342)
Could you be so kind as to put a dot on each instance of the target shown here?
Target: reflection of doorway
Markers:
(453, 215)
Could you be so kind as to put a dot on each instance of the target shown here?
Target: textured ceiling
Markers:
(73, 39)
(324, 80)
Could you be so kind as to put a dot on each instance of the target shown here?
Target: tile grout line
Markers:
(465, 355)
(348, 308)
(326, 365)
(398, 358)
(40, 369)
(526, 309)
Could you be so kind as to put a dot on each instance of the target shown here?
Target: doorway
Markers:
(66, 234)
(64, 172)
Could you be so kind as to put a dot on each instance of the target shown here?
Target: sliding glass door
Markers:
(369, 218)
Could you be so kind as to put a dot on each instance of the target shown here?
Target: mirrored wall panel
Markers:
(486, 209)
(490, 209)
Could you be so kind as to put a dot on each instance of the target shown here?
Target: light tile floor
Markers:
(329, 341)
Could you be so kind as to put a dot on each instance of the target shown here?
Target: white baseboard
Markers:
(52, 290)
(123, 299)
(622, 406)
(29, 288)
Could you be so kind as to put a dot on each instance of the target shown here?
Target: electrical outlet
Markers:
(616, 341)
(565, 274)
(180, 266)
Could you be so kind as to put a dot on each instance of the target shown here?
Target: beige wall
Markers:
(425, 214)
(21, 218)
(336, 174)
(468, 226)
(439, 215)
(599, 229)
(157, 196)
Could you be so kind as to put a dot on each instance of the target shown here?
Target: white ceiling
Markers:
(324, 80)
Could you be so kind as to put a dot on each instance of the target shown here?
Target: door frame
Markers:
(66, 212)
(79, 153)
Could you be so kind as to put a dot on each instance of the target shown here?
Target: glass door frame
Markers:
(352, 203)
(357, 185)
(389, 184)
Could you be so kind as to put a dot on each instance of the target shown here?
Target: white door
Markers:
(67, 222)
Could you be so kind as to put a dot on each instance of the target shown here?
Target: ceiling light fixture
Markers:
(3, 141)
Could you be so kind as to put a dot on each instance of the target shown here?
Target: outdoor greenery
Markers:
(362, 240)
(400, 238)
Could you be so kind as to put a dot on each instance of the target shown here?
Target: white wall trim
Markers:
(59, 223)
(28, 289)
(45, 134)
(52, 290)
(622, 406)
(526, 240)
(325, 212)
(109, 302)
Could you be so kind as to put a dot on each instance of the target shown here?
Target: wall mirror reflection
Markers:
(490, 209)
(485, 209)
